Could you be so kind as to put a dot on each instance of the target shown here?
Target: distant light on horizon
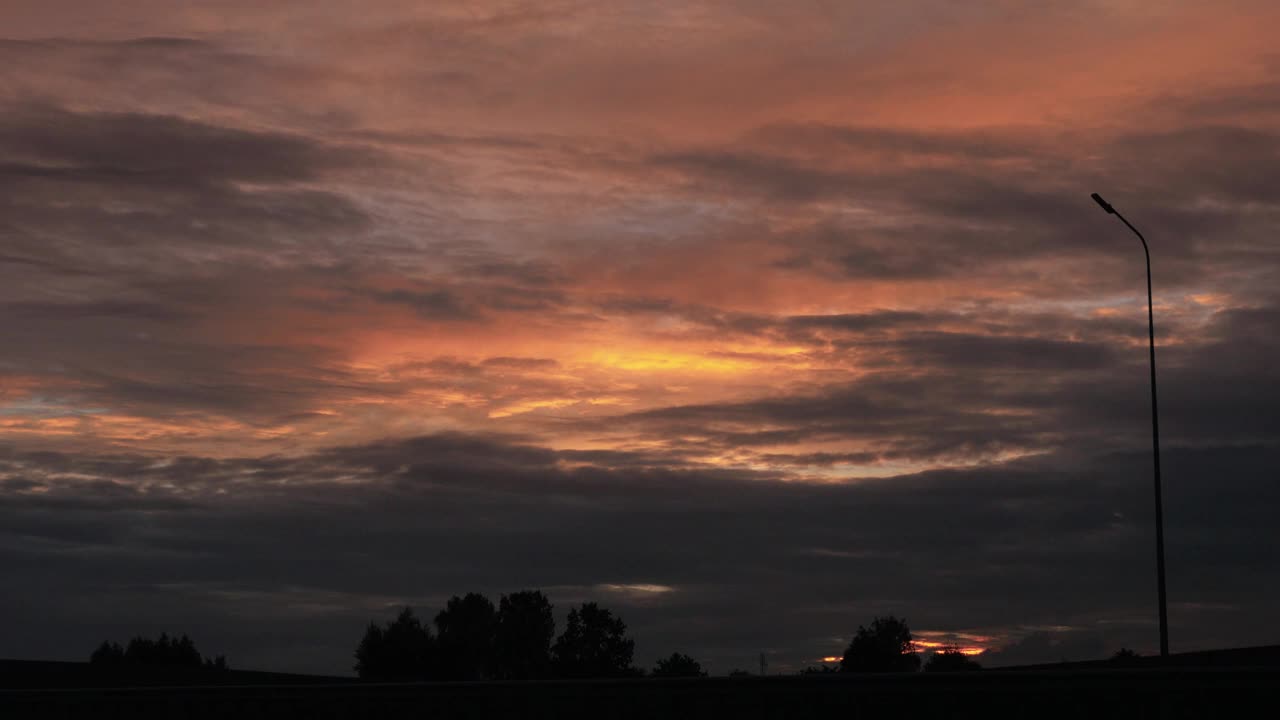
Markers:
(933, 645)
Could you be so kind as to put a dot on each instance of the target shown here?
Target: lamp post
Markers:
(1155, 434)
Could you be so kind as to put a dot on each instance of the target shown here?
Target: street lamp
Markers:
(1155, 434)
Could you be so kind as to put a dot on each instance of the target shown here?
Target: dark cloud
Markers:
(432, 305)
(521, 363)
(958, 351)
(146, 189)
(1049, 541)
(153, 312)
(1043, 646)
(968, 217)
(1228, 104)
(154, 150)
(130, 235)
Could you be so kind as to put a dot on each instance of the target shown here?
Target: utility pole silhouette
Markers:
(1155, 433)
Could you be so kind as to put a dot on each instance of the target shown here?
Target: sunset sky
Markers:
(750, 320)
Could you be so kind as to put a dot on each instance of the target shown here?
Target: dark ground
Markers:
(1225, 684)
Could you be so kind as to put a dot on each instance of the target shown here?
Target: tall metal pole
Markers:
(1155, 433)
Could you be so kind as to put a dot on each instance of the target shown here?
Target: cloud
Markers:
(139, 148)
(363, 527)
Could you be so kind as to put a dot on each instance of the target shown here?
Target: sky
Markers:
(750, 320)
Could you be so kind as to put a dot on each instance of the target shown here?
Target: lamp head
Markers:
(1105, 205)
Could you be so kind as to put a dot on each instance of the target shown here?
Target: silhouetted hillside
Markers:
(1178, 693)
(31, 674)
(1261, 656)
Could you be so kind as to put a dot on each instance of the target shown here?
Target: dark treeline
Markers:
(516, 640)
(474, 640)
(163, 652)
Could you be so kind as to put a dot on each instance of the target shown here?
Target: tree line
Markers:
(516, 640)
(163, 652)
(472, 639)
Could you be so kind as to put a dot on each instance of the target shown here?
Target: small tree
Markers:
(823, 669)
(403, 650)
(950, 659)
(678, 665)
(594, 644)
(1125, 656)
(522, 640)
(883, 647)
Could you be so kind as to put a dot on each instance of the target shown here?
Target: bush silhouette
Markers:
(883, 647)
(593, 645)
(950, 659)
(1125, 657)
(403, 650)
(522, 639)
(678, 665)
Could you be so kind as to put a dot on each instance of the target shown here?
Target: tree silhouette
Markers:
(522, 640)
(464, 636)
(108, 653)
(163, 652)
(950, 659)
(678, 665)
(883, 647)
(1125, 656)
(593, 644)
(820, 670)
(403, 650)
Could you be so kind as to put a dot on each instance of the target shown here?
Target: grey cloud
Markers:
(521, 363)
(791, 567)
(470, 301)
(432, 305)
(958, 351)
(863, 322)
(129, 235)
(157, 150)
(148, 311)
(970, 217)
(1259, 99)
